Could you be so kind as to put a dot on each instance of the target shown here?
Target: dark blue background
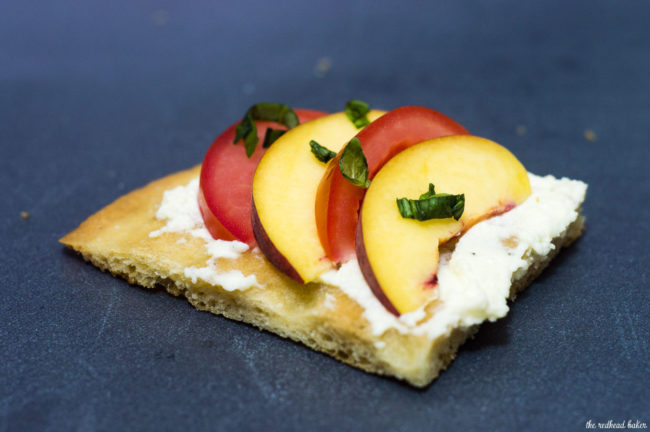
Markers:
(99, 98)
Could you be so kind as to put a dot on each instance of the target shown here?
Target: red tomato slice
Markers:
(226, 182)
(338, 201)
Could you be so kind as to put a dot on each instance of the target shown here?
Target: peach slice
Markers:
(339, 201)
(399, 256)
(284, 195)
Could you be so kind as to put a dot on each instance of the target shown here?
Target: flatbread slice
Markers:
(130, 239)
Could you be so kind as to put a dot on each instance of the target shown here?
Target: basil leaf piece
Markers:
(271, 135)
(248, 131)
(428, 194)
(353, 164)
(323, 154)
(265, 111)
(275, 112)
(432, 206)
(356, 111)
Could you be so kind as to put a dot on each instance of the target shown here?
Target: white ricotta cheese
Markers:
(473, 281)
(180, 209)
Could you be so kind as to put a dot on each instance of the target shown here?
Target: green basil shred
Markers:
(322, 153)
(271, 135)
(353, 164)
(357, 111)
(431, 205)
(265, 111)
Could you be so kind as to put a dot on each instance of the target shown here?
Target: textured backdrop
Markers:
(98, 98)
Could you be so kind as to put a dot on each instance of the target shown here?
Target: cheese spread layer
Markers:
(474, 279)
(180, 209)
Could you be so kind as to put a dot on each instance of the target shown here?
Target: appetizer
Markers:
(383, 239)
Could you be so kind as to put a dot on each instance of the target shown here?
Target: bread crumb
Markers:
(323, 66)
(590, 135)
(24, 215)
(521, 130)
(160, 17)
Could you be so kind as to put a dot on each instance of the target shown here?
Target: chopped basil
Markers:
(323, 154)
(353, 164)
(356, 111)
(428, 194)
(431, 205)
(271, 135)
(248, 131)
(265, 111)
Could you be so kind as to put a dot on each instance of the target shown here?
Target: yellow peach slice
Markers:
(399, 256)
(284, 195)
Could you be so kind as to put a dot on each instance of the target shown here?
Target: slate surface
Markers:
(98, 98)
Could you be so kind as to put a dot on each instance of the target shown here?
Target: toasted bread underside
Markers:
(116, 239)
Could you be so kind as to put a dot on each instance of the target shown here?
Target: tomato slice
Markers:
(226, 182)
(338, 201)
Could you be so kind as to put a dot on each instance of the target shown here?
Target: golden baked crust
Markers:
(116, 239)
